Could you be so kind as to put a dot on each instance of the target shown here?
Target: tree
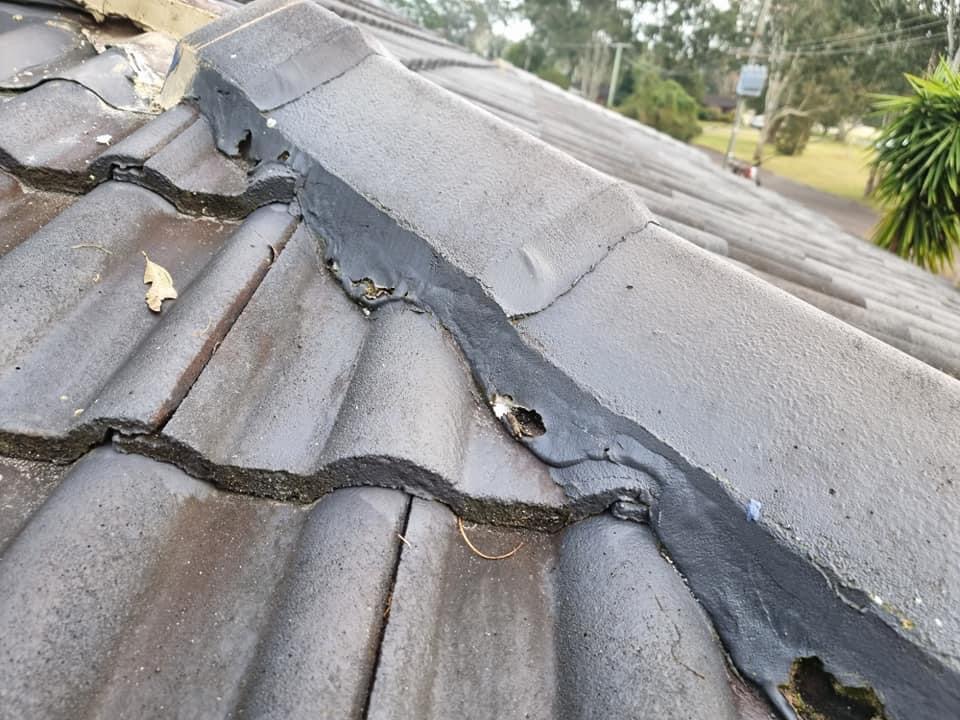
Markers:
(953, 33)
(662, 104)
(825, 57)
(465, 22)
(793, 69)
(692, 40)
(576, 35)
(526, 54)
(918, 157)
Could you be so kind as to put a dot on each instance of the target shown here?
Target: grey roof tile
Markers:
(641, 646)
(30, 51)
(795, 273)
(67, 375)
(191, 173)
(492, 251)
(255, 409)
(332, 410)
(49, 135)
(23, 211)
(161, 596)
(113, 75)
(137, 148)
(775, 427)
(415, 409)
(24, 487)
(318, 654)
(628, 351)
(137, 591)
(695, 198)
(732, 350)
(706, 240)
(590, 623)
(13, 15)
(468, 637)
(415, 47)
(157, 595)
(173, 155)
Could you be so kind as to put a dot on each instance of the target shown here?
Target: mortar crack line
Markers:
(629, 235)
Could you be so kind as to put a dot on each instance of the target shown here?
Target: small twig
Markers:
(404, 540)
(478, 553)
(91, 246)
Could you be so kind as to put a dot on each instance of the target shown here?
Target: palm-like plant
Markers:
(918, 157)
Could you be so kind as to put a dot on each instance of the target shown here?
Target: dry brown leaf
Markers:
(161, 285)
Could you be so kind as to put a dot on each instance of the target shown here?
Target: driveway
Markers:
(855, 218)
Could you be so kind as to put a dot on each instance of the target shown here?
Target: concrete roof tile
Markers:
(49, 135)
(23, 211)
(795, 434)
(626, 371)
(67, 375)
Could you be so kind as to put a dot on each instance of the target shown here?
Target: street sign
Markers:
(751, 81)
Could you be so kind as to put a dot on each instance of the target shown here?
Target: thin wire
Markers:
(869, 34)
(811, 47)
(865, 49)
(860, 50)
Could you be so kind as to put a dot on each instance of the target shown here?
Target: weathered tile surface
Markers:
(644, 376)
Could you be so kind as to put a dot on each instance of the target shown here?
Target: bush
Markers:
(554, 76)
(526, 55)
(792, 134)
(662, 104)
(918, 161)
(715, 114)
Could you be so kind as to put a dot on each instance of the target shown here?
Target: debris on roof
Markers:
(175, 18)
(398, 312)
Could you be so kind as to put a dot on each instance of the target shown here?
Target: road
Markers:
(855, 218)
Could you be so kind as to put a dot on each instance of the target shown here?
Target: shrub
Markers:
(711, 113)
(553, 75)
(662, 104)
(792, 134)
(526, 55)
(918, 161)
(708, 114)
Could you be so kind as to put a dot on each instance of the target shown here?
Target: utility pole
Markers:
(616, 72)
(751, 60)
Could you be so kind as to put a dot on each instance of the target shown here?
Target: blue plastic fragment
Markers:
(753, 510)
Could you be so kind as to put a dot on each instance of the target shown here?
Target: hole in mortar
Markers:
(815, 694)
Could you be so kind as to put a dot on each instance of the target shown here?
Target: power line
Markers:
(857, 49)
(867, 49)
(870, 33)
(868, 41)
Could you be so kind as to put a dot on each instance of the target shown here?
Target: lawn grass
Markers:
(825, 164)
